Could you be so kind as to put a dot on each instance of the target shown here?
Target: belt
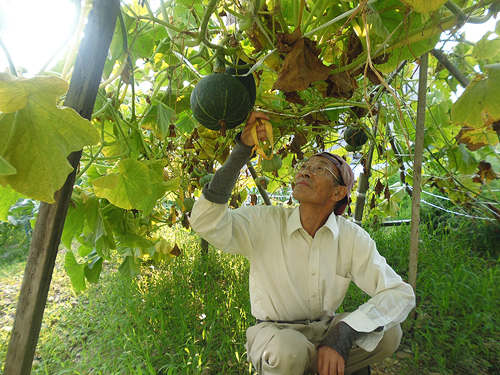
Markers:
(307, 321)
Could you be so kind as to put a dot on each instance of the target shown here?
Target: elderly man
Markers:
(302, 261)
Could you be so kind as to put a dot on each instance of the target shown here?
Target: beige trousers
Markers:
(291, 349)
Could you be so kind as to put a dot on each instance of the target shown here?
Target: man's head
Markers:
(324, 178)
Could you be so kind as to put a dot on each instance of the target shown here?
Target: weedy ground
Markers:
(190, 316)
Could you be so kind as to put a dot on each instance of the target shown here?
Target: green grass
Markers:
(192, 314)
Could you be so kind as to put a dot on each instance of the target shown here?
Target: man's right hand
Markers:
(330, 362)
(246, 135)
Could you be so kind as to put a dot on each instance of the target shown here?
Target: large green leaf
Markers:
(8, 198)
(38, 136)
(397, 21)
(126, 188)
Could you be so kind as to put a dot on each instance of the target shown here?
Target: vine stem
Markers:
(338, 18)
(90, 162)
(12, 67)
(74, 49)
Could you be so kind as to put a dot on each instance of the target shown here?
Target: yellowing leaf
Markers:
(127, 188)
(13, 95)
(6, 168)
(38, 137)
(425, 6)
(474, 139)
(477, 110)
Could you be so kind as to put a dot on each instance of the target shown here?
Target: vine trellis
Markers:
(143, 156)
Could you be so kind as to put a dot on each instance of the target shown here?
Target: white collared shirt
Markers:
(294, 276)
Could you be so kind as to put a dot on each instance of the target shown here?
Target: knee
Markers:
(288, 351)
(391, 340)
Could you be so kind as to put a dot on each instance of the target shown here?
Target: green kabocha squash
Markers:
(206, 179)
(353, 148)
(219, 102)
(188, 204)
(247, 81)
(262, 181)
(271, 165)
(355, 136)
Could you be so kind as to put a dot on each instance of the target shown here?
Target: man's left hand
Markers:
(330, 362)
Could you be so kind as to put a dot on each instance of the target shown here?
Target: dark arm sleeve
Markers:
(218, 190)
(341, 337)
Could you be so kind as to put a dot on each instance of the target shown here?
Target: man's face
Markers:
(317, 188)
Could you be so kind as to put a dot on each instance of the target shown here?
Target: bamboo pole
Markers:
(417, 172)
(50, 222)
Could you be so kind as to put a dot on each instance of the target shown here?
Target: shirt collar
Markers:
(295, 224)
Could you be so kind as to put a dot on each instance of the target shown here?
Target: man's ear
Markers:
(339, 193)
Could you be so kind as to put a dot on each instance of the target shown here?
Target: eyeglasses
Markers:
(317, 170)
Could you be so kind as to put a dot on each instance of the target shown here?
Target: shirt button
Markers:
(313, 274)
(315, 248)
(314, 295)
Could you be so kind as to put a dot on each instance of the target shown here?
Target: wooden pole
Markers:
(417, 172)
(50, 222)
(364, 178)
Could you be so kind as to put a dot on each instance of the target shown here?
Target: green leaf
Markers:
(185, 124)
(128, 268)
(93, 270)
(95, 226)
(6, 168)
(8, 198)
(486, 48)
(38, 137)
(425, 6)
(75, 272)
(166, 117)
(73, 225)
(392, 18)
(127, 188)
(462, 159)
(158, 186)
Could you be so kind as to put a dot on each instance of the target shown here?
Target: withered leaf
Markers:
(340, 85)
(372, 202)
(293, 97)
(285, 41)
(354, 47)
(301, 66)
(176, 251)
(387, 192)
(485, 172)
(253, 199)
(496, 127)
(379, 187)
(370, 74)
(381, 59)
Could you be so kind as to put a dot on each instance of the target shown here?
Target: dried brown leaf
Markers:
(301, 66)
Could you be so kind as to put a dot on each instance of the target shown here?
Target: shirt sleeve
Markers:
(232, 231)
(391, 298)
